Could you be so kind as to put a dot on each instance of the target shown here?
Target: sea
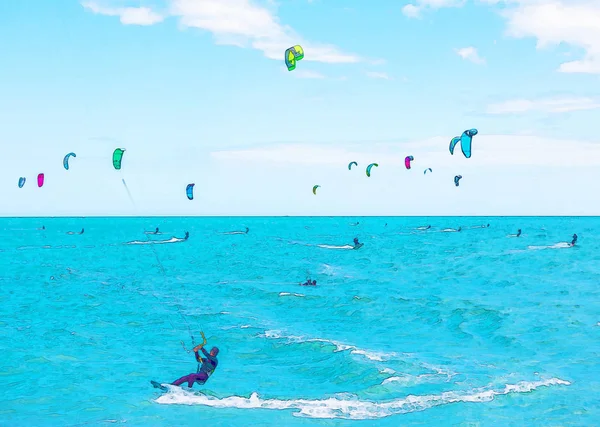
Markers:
(419, 327)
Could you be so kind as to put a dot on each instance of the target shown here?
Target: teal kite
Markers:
(369, 168)
(315, 189)
(117, 157)
(66, 160)
(465, 142)
(350, 165)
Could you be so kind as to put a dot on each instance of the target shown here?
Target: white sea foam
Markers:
(371, 355)
(349, 407)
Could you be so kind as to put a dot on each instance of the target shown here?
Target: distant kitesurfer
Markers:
(82, 230)
(187, 235)
(205, 370)
(574, 240)
(356, 242)
(309, 283)
(519, 232)
(156, 231)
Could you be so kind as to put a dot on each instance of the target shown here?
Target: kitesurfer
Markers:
(187, 235)
(82, 230)
(309, 283)
(155, 231)
(356, 242)
(205, 370)
(574, 240)
(519, 232)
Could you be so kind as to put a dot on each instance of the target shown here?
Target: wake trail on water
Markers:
(155, 242)
(335, 247)
(349, 407)
(560, 245)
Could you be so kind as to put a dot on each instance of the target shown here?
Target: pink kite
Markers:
(40, 180)
(407, 161)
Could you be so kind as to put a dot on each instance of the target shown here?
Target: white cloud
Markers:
(470, 54)
(551, 105)
(551, 22)
(127, 15)
(239, 23)
(411, 11)
(414, 10)
(377, 75)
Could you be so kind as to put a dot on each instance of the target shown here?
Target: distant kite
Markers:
(465, 142)
(292, 55)
(66, 160)
(315, 189)
(22, 182)
(369, 168)
(407, 161)
(350, 165)
(189, 190)
(117, 157)
(457, 178)
(425, 171)
(40, 179)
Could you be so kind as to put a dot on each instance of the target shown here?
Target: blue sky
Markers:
(197, 91)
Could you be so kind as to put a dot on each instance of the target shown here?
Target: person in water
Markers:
(309, 283)
(519, 232)
(156, 231)
(82, 230)
(574, 240)
(205, 370)
(247, 230)
(356, 242)
(187, 235)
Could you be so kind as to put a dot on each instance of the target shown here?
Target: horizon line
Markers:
(296, 216)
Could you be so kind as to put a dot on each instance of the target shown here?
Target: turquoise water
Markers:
(469, 328)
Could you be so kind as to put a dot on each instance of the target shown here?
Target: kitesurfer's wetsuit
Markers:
(209, 364)
(574, 240)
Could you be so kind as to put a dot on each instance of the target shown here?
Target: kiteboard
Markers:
(360, 245)
(158, 385)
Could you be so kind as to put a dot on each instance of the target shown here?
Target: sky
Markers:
(197, 91)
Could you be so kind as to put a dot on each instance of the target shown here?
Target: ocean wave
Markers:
(371, 355)
(288, 294)
(350, 408)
